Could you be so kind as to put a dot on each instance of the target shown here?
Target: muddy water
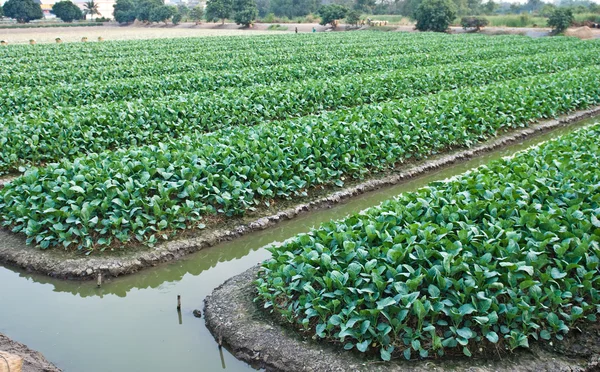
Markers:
(131, 323)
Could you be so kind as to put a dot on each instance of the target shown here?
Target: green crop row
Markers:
(26, 98)
(144, 194)
(491, 260)
(284, 50)
(58, 134)
(162, 62)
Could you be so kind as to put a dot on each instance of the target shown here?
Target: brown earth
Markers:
(33, 361)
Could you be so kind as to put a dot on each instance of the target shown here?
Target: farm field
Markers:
(488, 260)
(156, 137)
(110, 32)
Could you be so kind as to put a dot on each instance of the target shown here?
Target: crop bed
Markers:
(153, 137)
(483, 262)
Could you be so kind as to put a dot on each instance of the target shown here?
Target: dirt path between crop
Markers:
(65, 265)
(33, 361)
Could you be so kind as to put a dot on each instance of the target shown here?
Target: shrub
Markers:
(67, 11)
(435, 15)
(474, 22)
(330, 14)
(560, 20)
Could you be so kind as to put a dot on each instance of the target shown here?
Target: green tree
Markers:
(244, 12)
(67, 11)
(293, 8)
(365, 6)
(1, 12)
(23, 10)
(490, 7)
(143, 8)
(162, 13)
(183, 10)
(353, 17)
(176, 18)
(332, 13)
(218, 9)
(560, 20)
(435, 15)
(196, 14)
(475, 7)
(91, 8)
(124, 11)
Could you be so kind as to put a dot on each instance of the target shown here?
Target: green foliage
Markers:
(277, 27)
(176, 18)
(23, 10)
(353, 17)
(560, 20)
(293, 8)
(91, 8)
(218, 9)
(144, 8)
(183, 9)
(196, 14)
(142, 193)
(162, 13)
(364, 83)
(124, 11)
(474, 22)
(491, 259)
(67, 11)
(364, 6)
(244, 12)
(435, 15)
(330, 14)
(1, 12)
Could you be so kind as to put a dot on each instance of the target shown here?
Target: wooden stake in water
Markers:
(178, 303)
(99, 279)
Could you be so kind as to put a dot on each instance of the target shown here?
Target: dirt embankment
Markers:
(251, 335)
(33, 361)
(60, 264)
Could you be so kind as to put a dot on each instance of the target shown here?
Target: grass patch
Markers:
(277, 27)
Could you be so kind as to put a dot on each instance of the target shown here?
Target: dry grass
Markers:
(74, 34)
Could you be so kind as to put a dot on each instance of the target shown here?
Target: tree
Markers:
(474, 22)
(183, 10)
(365, 6)
(162, 13)
(332, 13)
(353, 17)
(91, 8)
(23, 10)
(143, 8)
(196, 14)
(67, 11)
(474, 7)
(176, 18)
(490, 7)
(435, 15)
(293, 8)
(560, 20)
(218, 9)
(1, 12)
(124, 11)
(547, 10)
(244, 12)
